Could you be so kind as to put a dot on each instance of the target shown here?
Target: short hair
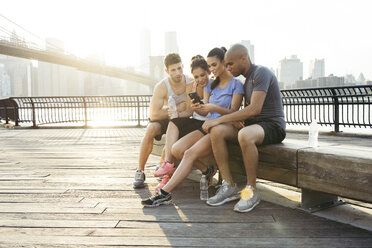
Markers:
(171, 59)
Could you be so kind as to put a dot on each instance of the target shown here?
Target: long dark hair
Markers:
(220, 54)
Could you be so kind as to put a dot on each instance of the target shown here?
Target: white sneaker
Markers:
(139, 179)
(246, 205)
(225, 193)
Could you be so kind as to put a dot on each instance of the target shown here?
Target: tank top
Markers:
(178, 98)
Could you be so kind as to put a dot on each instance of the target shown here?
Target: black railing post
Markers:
(138, 112)
(85, 112)
(33, 114)
(336, 112)
(6, 112)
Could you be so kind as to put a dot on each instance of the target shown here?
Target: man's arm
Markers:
(188, 111)
(253, 109)
(157, 110)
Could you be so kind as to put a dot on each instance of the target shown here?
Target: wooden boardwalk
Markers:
(73, 188)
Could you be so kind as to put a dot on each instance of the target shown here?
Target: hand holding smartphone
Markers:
(195, 97)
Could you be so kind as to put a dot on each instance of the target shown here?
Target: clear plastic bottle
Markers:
(172, 107)
(313, 134)
(203, 188)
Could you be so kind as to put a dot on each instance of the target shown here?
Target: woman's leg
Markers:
(171, 138)
(219, 135)
(200, 149)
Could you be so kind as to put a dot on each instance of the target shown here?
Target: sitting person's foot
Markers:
(225, 193)
(161, 198)
(157, 168)
(139, 179)
(249, 198)
(165, 169)
(163, 182)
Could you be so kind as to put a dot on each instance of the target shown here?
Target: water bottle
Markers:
(313, 134)
(172, 107)
(203, 188)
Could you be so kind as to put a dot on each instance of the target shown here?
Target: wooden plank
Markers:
(332, 171)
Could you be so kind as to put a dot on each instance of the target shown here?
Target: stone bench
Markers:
(340, 166)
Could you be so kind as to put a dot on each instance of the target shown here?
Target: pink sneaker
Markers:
(165, 169)
(163, 182)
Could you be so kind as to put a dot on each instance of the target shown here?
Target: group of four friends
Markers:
(200, 128)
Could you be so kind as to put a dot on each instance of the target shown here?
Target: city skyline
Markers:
(277, 30)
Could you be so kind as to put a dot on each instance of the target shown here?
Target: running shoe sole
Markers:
(247, 210)
(159, 204)
(229, 199)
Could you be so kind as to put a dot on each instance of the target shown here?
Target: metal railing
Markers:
(348, 106)
(127, 110)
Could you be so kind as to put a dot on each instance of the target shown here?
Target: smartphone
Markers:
(195, 97)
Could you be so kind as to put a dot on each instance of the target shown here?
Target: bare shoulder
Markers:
(160, 89)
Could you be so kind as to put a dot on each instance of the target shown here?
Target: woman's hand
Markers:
(208, 107)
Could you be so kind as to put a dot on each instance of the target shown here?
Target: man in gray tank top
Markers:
(264, 123)
(174, 85)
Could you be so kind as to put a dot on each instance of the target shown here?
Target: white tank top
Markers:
(178, 98)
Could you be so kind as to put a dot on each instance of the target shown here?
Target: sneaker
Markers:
(166, 169)
(163, 182)
(139, 179)
(225, 193)
(157, 168)
(249, 199)
(157, 200)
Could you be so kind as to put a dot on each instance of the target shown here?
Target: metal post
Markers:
(336, 114)
(85, 113)
(33, 114)
(138, 112)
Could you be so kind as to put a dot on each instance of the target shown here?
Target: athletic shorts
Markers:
(163, 124)
(274, 133)
(187, 125)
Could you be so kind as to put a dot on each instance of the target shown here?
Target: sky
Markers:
(338, 31)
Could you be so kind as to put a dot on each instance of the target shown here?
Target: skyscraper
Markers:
(171, 45)
(290, 70)
(145, 50)
(250, 47)
(316, 68)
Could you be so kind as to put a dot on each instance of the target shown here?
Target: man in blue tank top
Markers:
(264, 123)
(174, 85)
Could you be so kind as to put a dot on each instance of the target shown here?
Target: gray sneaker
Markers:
(225, 193)
(246, 205)
(139, 179)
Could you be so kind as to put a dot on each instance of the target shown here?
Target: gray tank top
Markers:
(178, 98)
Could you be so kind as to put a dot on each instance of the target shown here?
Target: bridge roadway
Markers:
(10, 49)
(72, 188)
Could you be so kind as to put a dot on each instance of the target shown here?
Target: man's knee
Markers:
(152, 130)
(251, 135)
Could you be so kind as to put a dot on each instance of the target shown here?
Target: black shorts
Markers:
(187, 125)
(163, 124)
(274, 133)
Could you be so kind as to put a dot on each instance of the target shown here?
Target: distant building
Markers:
(368, 82)
(157, 67)
(5, 89)
(145, 50)
(349, 79)
(290, 70)
(316, 68)
(171, 45)
(361, 79)
(250, 47)
(320, 82)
